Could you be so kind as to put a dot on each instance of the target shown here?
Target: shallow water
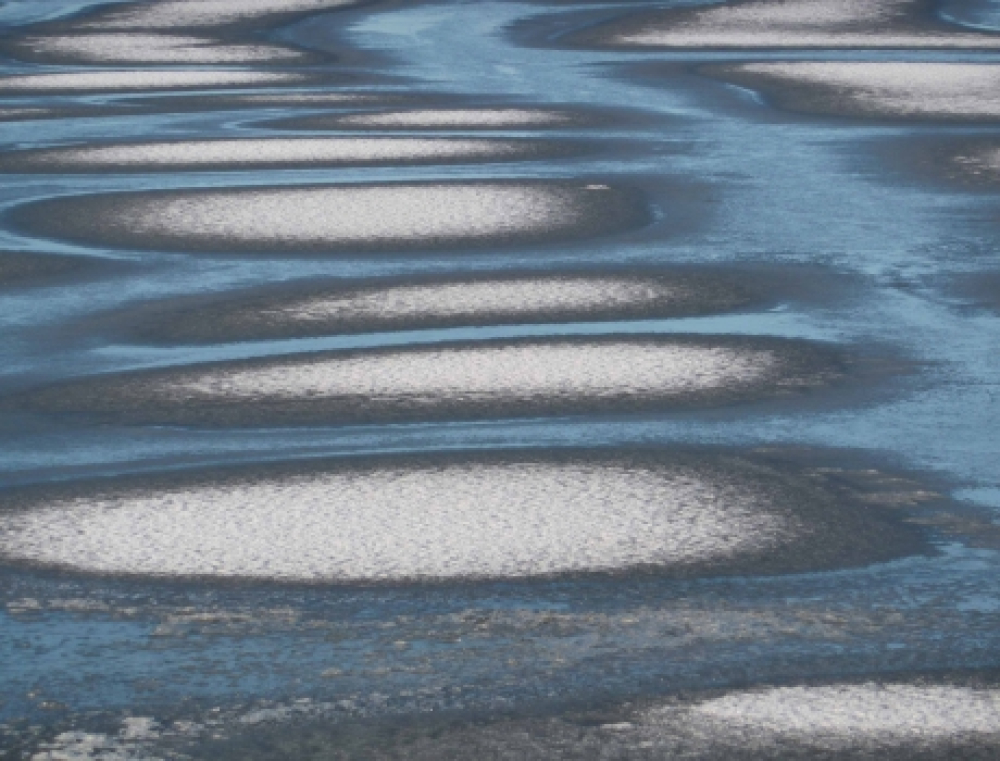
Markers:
(834, 241)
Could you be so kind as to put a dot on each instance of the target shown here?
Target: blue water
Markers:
(776, 189)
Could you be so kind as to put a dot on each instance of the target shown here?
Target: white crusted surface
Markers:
(803, 24)
(154, 48)
(896, 88)
(459, 118)
(510, 520)
(248, 152)
(144, 80)
(369, 214)
(172, 14)
(513, 297)
(859, 711)
(577, 371)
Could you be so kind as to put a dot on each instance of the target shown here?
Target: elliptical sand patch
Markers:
(339, 217)
(268, 153)
(886, 89)
(793, 24)
(467, 380)
(457, 516)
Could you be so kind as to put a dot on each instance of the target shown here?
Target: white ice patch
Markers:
(249, 152)
(802, 24)
(475, 374)
(178, 14)
(896, 88)
(361, 215)
(865, 711)
(458, 118)
(507, 297)
(111, 80)
(509, 520)
(154, 48)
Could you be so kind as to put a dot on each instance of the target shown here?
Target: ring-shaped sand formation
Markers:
(313, 219)
(452, 381)
(122, 80)
(248, 153)
(344, 307)
(466, 118)
(458, 516)
(120, 48)
(951, 92)
(791, 24)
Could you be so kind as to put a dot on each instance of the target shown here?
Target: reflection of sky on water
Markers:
(780, 189)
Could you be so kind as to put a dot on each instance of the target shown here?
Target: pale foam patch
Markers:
(905, 89)
(476, 375)
(800, 24)
(361, 215)
(271, 151)
(509, 297)
(458, 118)
(982, 161)
(511, 520)
(153, 48)
(851, 712)
(170, 14)
(143, 80)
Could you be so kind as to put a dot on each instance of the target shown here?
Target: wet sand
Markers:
(142, 81)
(21, 268)
(802, 24)
(276, 153)
(446, 119)
(935, 92)
(594, 382)
(301, 310)
(392, 216)
(461, 516)
(453, 381)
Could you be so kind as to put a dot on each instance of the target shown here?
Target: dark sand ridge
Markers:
(331, 218)
(896, 717)
(276, 153)
(507, 378)
(790, 24)
(894, 91)
(21, 268)
(337, 307)
(454, 516)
